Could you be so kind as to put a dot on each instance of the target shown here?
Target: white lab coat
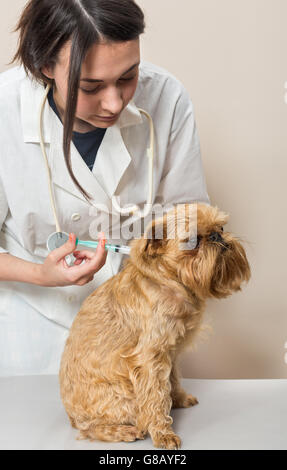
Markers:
(35, 320)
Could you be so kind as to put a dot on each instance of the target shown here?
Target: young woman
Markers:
(80, 63)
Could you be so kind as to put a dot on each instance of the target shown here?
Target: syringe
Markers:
(110, 247)
(58, 239)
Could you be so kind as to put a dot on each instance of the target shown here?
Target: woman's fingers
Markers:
(94, 261)
(84, 254)
(78, 261)
(56, 271)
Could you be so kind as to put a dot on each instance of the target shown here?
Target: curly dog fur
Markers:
(118, 375)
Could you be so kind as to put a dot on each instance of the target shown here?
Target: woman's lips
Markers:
(106, 119)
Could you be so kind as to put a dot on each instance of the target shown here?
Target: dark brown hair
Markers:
(46, 25)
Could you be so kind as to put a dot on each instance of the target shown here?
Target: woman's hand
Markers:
(55, 271)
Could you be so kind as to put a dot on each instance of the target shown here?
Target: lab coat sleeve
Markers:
(183, 179)
(3, 210)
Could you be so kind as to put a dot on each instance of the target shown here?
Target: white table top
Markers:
(231, 414)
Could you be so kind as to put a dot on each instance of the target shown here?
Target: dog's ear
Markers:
(155, 238)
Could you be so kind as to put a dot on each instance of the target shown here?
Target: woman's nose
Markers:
(112, 103)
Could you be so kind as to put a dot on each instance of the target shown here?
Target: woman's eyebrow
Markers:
(95, 80)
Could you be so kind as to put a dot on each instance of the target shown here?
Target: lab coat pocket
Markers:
(29, 343)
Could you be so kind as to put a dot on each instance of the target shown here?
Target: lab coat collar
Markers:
(31, 97)
(112, 158)
(111, 162)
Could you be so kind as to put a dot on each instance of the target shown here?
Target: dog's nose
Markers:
(215, 237)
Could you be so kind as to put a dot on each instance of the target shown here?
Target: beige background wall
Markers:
(232, 57)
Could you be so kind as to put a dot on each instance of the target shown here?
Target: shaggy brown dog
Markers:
(118, 375)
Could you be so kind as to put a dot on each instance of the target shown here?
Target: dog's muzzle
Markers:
(216, 237)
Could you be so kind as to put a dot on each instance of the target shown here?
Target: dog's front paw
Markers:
(141, 434)
(184, 401)
(167, 441)
(190, 400)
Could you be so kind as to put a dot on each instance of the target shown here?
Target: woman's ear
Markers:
(48, 72)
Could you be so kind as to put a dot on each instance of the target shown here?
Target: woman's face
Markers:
(109, 79)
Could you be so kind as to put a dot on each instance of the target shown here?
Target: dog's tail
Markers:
(110, 432)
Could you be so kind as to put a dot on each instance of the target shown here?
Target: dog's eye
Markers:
(221, 228)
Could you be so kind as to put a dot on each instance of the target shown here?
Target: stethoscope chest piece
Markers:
(56, 240)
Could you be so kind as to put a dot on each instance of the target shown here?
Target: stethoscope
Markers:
(58, 238)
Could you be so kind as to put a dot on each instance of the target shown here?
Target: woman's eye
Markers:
(95, 89)
(89, 91)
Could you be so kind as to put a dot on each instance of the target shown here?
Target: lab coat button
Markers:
(75, 217)
(71, 298)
